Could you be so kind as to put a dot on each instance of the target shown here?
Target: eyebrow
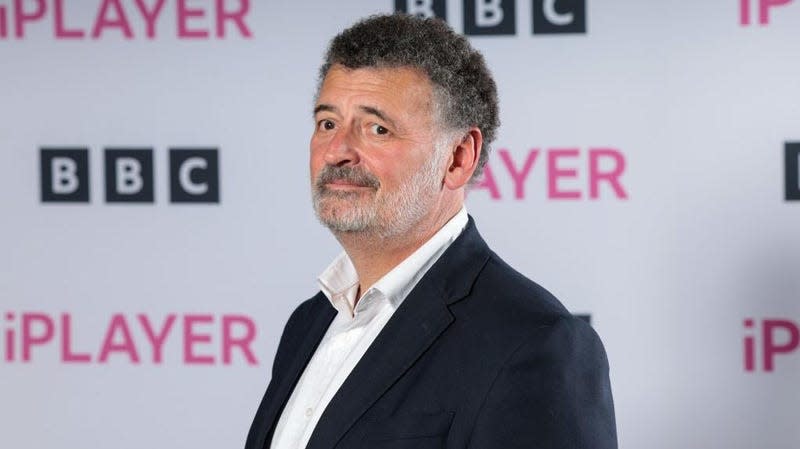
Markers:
(324, 107)
(368, 109)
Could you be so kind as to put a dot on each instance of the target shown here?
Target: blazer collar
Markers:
(416, 324)
(322, 314)
(456, 271)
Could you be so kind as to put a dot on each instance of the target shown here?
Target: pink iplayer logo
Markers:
(204, 339)
(128, 19)
(777, 337)
(570, 173)
(763, 7)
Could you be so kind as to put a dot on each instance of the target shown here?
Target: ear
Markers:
(464, 159)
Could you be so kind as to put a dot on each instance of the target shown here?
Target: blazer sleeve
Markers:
(552, 393)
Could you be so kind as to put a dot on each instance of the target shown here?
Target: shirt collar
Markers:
(339, 282)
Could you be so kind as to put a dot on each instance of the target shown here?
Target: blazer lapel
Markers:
(285, 382)
(419, 321)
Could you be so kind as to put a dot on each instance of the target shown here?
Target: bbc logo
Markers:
(498, 17)
(792, 171)
(129, 175)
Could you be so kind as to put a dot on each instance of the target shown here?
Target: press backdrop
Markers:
(157, 229)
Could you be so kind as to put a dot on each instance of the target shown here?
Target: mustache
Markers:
(352, 175)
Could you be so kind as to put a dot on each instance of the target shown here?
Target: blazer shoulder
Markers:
(508, 292)
(552, 390)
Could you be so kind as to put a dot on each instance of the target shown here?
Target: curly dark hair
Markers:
(464, 92)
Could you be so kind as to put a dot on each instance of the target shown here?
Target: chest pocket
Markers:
(409, 432)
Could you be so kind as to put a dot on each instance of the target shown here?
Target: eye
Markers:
(326, 124)
(378, 129)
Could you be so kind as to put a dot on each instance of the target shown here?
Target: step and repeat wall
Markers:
(157, 229)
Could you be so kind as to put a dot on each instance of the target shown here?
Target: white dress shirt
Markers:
(352, 331)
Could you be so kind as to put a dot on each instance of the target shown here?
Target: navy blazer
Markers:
(477, 356)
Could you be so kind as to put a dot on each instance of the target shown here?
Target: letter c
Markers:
(554, 17)
(185, 176)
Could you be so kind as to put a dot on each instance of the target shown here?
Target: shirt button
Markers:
(309, 412)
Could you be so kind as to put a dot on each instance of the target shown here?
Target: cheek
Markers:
(315, 165)
(316, 156)
(391, 173)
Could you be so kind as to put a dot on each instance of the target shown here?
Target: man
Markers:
(421, 336)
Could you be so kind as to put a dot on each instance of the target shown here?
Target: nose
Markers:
(343, 148)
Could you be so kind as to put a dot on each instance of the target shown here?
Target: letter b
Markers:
(64, 174)
(422, 8)
(129, 175)
(489, 17)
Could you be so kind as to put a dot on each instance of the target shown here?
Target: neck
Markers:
(373, 255)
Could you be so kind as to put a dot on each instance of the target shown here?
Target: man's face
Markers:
(375, 168)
